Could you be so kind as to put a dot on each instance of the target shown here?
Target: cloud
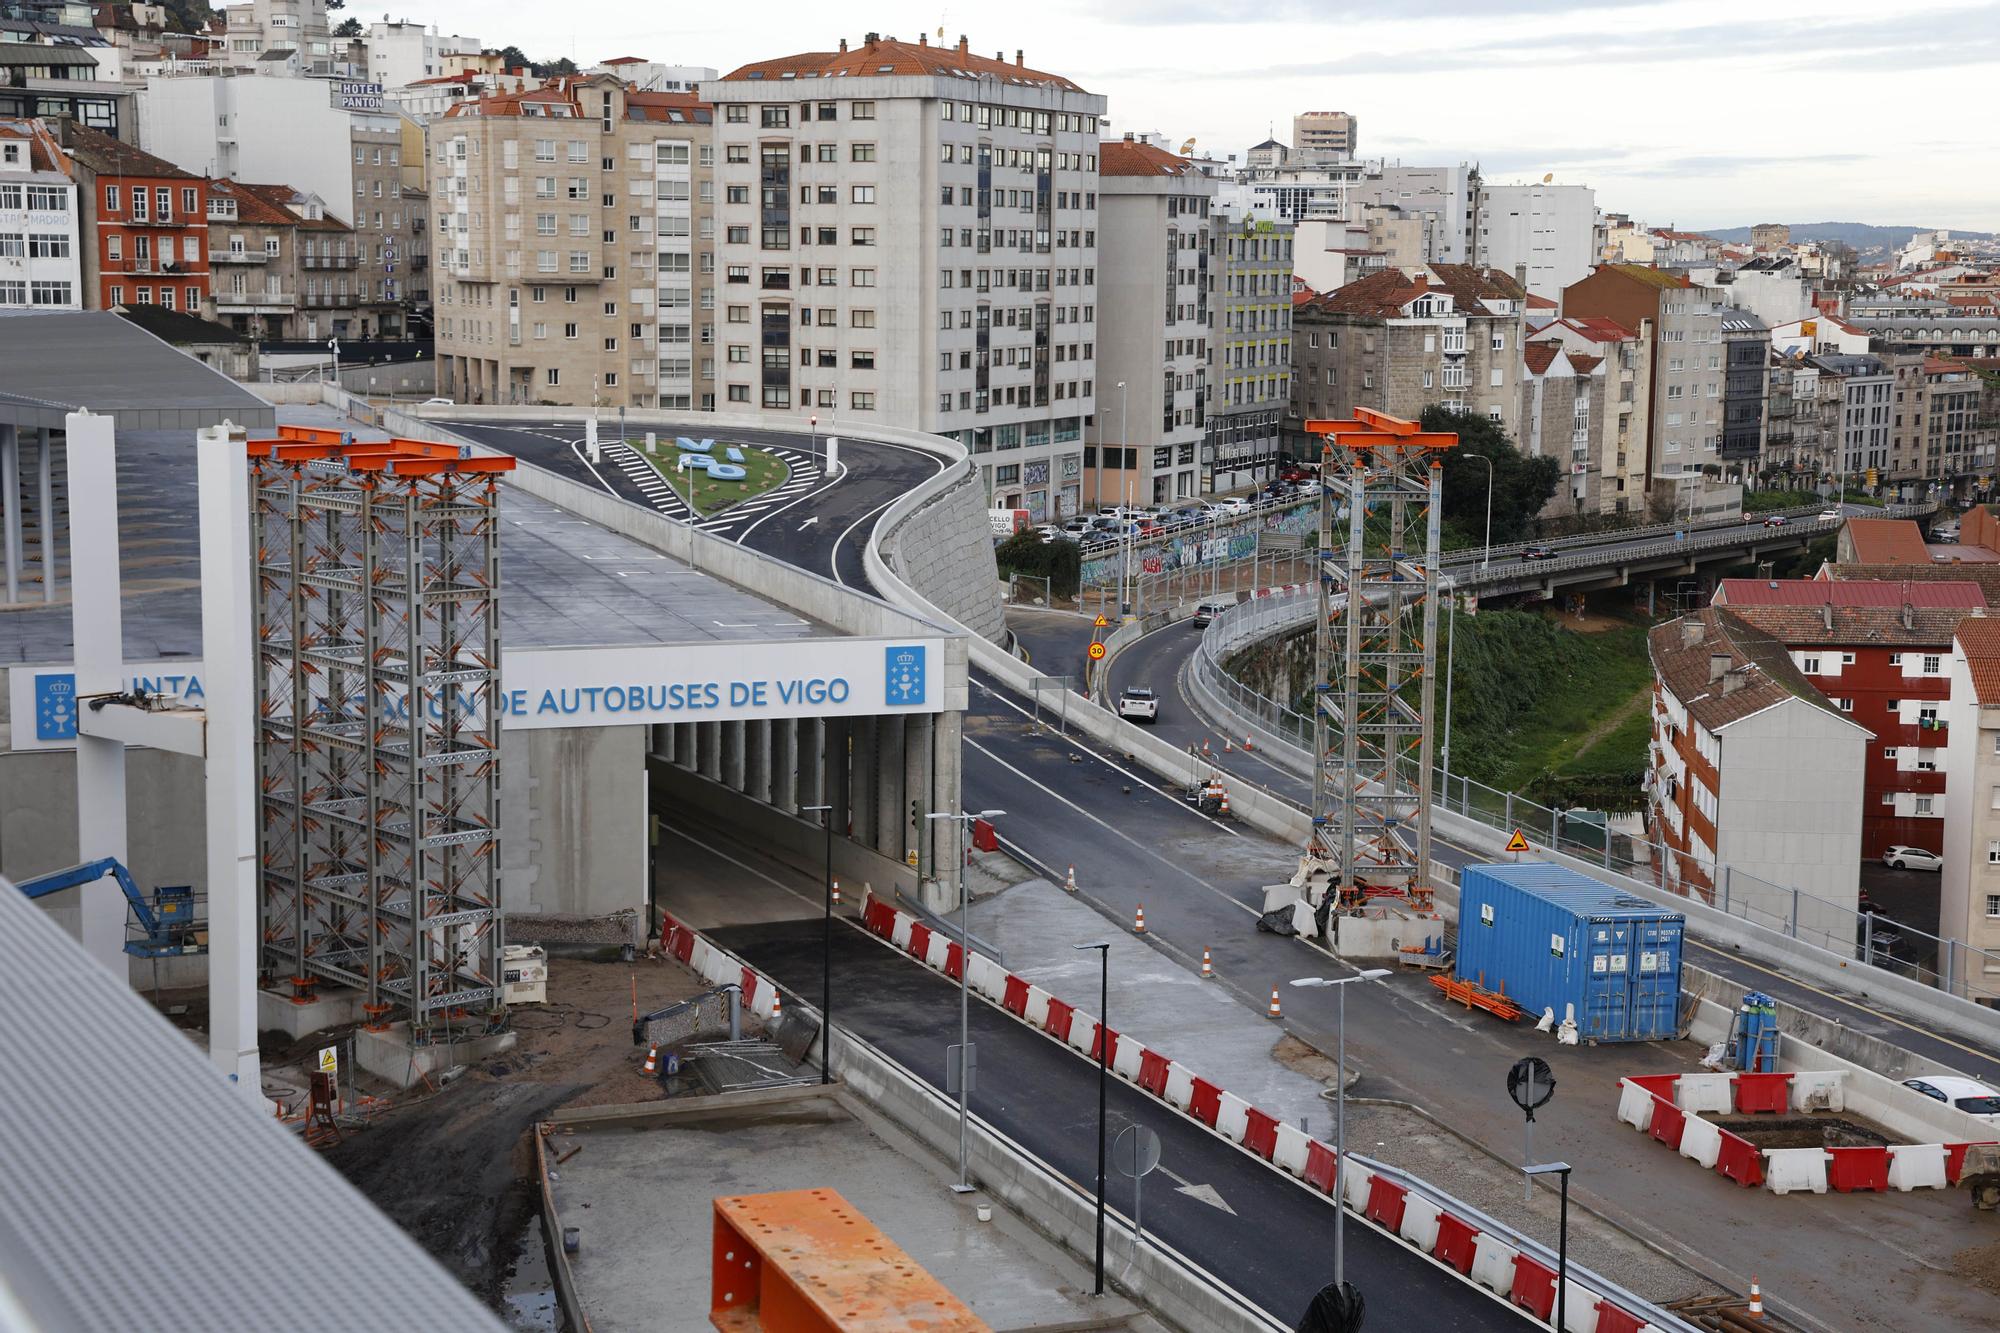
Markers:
(1189, 13)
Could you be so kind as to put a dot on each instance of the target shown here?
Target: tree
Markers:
(513, 57)
(1521, 485)
(551, 69)
(349, 27)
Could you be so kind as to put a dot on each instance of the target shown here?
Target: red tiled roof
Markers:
(259, 205)
(1540, 302)
(1979, 640)
(1961, 593)
(623, 60)
(1986, 575)
(1384, 293)
(886, 56)
(667, 106)
(1583, 363)
(1130, 157)
(44, 153)
(1855, 626)
(1758, 674)
(1540, 356)
(113, 157)
(1599, 329)
(1886, 541)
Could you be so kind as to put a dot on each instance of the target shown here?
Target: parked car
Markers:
(1076, 527)
(1911, 858)
(1139, 704)
(1775, 521)
(1208, 611)
(1537, 553)
(1295, 473)
(1965, 1094)
(1234, 504)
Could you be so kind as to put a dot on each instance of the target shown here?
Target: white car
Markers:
(437, 402)
(1139, 704)
(1911, 858)
(1830, 515)
(1233, 504)
(1968, 1096)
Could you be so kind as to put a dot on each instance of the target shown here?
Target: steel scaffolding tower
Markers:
(378, 746)
(1375, 657)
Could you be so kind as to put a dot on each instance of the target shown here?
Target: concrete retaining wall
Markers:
(945, 550)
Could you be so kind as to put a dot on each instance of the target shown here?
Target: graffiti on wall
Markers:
(1197, 548)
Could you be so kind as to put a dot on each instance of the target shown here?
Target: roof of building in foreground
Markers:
(86, 1194)
(1887, 541)
(1979, 641)
(1136, 157)
(885, 57)
(1986, 574)
(1385, 293)
(1758, 674)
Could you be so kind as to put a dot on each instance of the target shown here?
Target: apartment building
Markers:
(1328, 133)
(55, 65)
(1746, 346)
(1155, 224)
(1684, 429)
(909, 236)
(1563, 417)
(1550, 231)
(1250, 349)
(401, 52)
(382, 229)
(289, 37)
(41, 246)
(568, 221)
(1969, 886)
(268, 246)
(1752, 768)
(1855, 394)
(1793, 445)
(1620, 451)
(144, 224)
(1879, 651)
(1401, 340)
(1939, 433)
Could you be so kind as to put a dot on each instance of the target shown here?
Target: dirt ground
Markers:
(453, 1166)
(1980, 1264)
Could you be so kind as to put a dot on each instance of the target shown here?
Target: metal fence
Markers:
(1821, 923)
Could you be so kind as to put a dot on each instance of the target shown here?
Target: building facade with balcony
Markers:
(1969, 885)
(1746, 346)
(1250, 349)
(41, 245)
(908, 235)
(1940, 433)
(273, 252)
(144, 225)
(1795, 450)
(1563, 417)
(1878, 651)
(1751, 768)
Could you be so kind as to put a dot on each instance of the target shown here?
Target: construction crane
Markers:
(166, 921)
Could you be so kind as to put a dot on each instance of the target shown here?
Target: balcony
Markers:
(329, 300)
(326, 261)
(249, 300)
(172, 268)
(238, 257)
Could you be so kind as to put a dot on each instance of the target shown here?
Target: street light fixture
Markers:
(1487, 559)
(1103, 948)
(1340, 1113)
(826, 951)
(964, 817)
(1561, 1169)
(1450, 668)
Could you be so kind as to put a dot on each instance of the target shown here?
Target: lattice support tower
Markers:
(1375, 658)
(378, 748)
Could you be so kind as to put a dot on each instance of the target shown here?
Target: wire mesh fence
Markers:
(715, 1013)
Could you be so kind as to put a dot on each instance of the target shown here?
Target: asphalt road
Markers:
(818, 524)
(1277, 1248)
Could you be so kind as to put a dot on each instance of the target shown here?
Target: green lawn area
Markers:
(766, 471)
(1760, 502)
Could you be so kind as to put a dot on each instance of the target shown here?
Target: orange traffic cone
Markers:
(777, 1006)
(1247, 746)
(1204, 746)
(652, 1065)
(1139, 920)
(1207, 968)
(1275, 1011)
(1756, 1300)
(1225, 802)
(1228, 746)
(1069, 882)
(836, 893)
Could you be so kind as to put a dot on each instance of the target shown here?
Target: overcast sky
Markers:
(1705, 113)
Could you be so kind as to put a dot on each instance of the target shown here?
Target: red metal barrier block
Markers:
(1740, 1161)
(1611, 1319)
(1320, 1162)
(1261, 1135)
(1954, 1160)
(1534, 1286)
(684, 944)
(880, 918)
(954, 960)
(1097, 1039)
(749, 987)
(1153, 1072)
(1455, 1242)
(1762, 1092)
(1669, 1121)
(1386, 1200)
(1660, 1085)
(984, 837)
(1857, 1169)
(1015, 1001)
(1060, 1015)
(1205, 1104)
(920, 941)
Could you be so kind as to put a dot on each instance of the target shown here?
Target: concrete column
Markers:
(862, 764)
(229, 664)
(917, 741)
(780, 760)
(47, 512)
(685, 749)
(808, 762)
(940, 891)
(10, 509)
(660, 742)
(757, 760)
(732, 737)
(892, 817)
(708, 743)
(97, 630)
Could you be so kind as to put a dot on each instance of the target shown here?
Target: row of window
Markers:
(34, 245)
(780, 117)
(161, 208)
(115, 295)
(17, 292)
(36, 198)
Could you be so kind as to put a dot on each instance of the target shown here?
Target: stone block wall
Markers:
(945, 551)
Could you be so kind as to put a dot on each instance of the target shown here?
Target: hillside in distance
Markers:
(1865, 237)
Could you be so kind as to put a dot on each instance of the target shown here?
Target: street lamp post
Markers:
(1487, 559)
(1450, 671)
(1561, 1169)
(1125, 490)
(1340, 1112)
(826, 953)
(813, 422)
(1103, 948)
(964, 817)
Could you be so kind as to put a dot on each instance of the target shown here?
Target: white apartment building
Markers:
(40, 254)
(1153, 333)
(1551, 230)
(401, 52)
(261, 130)
(1328, 133)
(291, 35)
(1969, 886)
(908, 235)
(654, 76)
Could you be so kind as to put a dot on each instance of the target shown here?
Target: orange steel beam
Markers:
(807, 1261)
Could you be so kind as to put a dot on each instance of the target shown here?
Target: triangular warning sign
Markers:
(1100, 622)
(1517, 843)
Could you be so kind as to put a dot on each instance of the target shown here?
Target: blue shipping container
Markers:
(1552, 938)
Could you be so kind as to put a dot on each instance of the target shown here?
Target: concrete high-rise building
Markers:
(42, 236)
(1152, 328)
(909, 236)
(1329, 133)
(571, 247)
(288, 37)
(1746, 348)
(1249, 348)
(1550, 229)
(1854, 393)
(401, 52)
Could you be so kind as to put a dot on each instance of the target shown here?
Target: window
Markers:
(736, 115)
(861, 277)
(862, 402)
(111, 198)
(1993, 899)
(864, 194)
(1844, 705)
(1888, 752)
(862, 236)
(569, 332)
(1924, 804)
(555, 377)
(866, 361)
(862, 111)
(1809, 664)
(1933, 664)
(777, 117)
(863, 319)
(187, 200)
(863, 152)
(739, 393)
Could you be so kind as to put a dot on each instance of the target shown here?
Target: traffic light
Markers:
(916, 814)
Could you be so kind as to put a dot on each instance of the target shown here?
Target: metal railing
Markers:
(1947, 964)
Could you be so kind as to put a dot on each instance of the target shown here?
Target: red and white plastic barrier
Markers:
(1425, 1221)
(1668, 1108)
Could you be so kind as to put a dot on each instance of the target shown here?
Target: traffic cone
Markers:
(1225, 802)
(1069, 882)
(1228, 746)
(1204, 746)
(777, 1008)
(1139, 920)
(652, 1065)
(1275, 1011)
(836, 893)
(1756, 1300)
(1247, 746)
(1207, 968)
